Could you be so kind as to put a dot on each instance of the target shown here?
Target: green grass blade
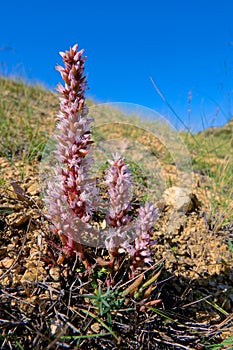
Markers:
(226, 342)
(87, 336)
(86, 312)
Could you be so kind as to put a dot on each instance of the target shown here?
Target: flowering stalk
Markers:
(71, 196)
(118, 180)
(140, 251)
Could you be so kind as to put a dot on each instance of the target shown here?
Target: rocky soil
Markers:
(196, 284)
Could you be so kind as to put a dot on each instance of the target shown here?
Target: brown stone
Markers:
(7, 262)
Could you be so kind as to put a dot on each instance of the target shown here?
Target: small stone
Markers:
(53, 328)
(33, 274)
(181, 199)
(7, 262)
(16, 279)
(10, 247)
(33, 189)
(6, 281)
(15, 240)
(96, 327)
(17, 219)
(55, 273)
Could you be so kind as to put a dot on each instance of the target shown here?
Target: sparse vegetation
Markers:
(185, 302)
(212, 156)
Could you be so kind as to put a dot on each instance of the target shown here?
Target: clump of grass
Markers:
(212, 157)
(25, 126)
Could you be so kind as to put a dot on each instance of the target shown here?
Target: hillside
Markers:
(41, 305)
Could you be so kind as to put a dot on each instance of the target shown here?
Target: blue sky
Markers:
(185, 46)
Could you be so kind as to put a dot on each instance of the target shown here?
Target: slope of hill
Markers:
(41, 303)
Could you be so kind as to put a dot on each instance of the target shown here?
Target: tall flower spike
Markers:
(118, 180)
(71, 196)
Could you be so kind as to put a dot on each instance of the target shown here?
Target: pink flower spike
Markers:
(72, 195)
(118, 179)
(144, 227)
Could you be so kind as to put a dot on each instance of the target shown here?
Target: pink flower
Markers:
(118, 180)
(133, 236)
(72, 194)
(140, 250)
